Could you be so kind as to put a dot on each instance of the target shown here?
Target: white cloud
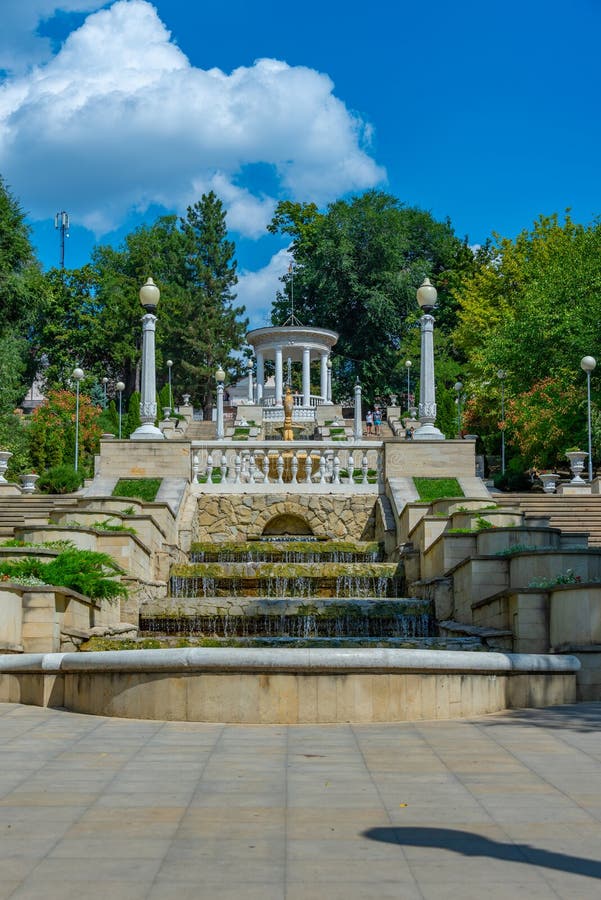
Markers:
(119, 119)
(257, 290)
(20, 46)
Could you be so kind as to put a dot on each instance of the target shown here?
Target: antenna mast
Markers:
(292, 320)
(61, 222)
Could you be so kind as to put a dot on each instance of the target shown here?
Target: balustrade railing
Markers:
(304, 463)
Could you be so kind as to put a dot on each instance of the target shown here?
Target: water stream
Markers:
(289, 590)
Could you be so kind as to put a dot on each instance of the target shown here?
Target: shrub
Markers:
(85, 571)
(60, 480)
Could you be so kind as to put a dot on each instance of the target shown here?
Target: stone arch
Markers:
(313, 524)
(287, 523)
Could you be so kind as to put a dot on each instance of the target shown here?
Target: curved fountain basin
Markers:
(286, 685)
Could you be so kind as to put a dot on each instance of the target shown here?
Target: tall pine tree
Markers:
(208, 325)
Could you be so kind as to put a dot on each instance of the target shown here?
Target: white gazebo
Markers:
(288, 344)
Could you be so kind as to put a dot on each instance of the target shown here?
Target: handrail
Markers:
(263, 462)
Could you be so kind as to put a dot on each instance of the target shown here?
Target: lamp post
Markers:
(408, 367)
(77, 374)
(149, 298)
(426, 297)
(105, 381)
(249, 369)
(169, 367)
(587, 364)
(458, 387)
(120, 387)
(358, 422)
(220, 378)
(502, 375)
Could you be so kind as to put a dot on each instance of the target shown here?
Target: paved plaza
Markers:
(503, 806)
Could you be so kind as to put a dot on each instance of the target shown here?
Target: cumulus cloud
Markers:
(257, 290)
(119, 119)
(20, 46)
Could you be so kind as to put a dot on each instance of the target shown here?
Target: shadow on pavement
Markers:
(583, 717)
(469, 844)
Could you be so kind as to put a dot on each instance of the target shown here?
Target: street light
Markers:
(458, 387)
(408, 367)
(149, 298)
(105, 381)
(169, 367)
(120, 387)
(587, 364)
(77, 374)
(220, 378)
(502, 375)
(249, 368)
(426, 297)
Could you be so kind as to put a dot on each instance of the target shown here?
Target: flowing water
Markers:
(291, 590)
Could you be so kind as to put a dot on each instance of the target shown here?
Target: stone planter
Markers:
(577, 459)
(5, 455)
(28, 482)
(549, 481)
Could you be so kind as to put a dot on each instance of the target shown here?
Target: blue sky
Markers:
(120, 111)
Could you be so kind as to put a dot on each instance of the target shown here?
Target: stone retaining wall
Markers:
(227, 517)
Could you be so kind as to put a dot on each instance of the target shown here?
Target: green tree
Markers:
(208, 325)
(357, 268)
(530, 309)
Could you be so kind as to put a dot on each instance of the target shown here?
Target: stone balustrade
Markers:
(251, 465)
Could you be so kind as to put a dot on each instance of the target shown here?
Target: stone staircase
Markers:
(18, 511)
(569, 513)
(201, 431)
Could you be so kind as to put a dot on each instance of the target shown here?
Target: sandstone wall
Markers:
(242, 517)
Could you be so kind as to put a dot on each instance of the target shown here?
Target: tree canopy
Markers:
(356, 270)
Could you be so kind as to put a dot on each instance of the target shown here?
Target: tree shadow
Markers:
(582, 717)
(469, 844)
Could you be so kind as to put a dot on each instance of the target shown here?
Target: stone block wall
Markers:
(228, 517)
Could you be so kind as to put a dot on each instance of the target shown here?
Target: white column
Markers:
(324, 376)
(148, 397)
(250, 384)
(358, 421)
(279, 399)
(260, 375)
(329, 391)
(220, 428)
(306, 376)
(427, 386)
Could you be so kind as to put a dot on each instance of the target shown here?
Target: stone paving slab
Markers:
(497, 807)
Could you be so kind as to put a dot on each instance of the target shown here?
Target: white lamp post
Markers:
(77, 374)
(220, 378)
(426, 297)
(249, 369)
(358, 422)
(587, 364)
(105, 381)
(458, 387)
(408, 367)
(149, 298)
(502, 375)
(120, 387)
(169, 367)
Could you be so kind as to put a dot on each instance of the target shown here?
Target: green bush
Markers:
(60, 480)
(85, 571)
